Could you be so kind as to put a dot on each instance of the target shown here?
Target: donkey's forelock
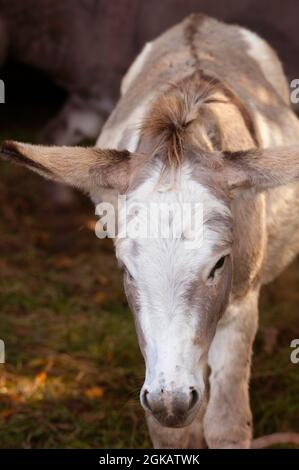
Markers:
(160, 202)
(178, 121)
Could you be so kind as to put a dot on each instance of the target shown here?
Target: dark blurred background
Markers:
(54, 52)
(73, 368)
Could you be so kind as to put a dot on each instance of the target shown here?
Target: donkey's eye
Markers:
(217, 266)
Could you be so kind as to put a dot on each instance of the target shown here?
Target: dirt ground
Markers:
(74, 369)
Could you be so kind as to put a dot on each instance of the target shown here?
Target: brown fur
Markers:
(169, 122)
(76, 166)
(263, 168)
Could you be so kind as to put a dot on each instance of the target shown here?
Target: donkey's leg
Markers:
(189, 437)
(228, 420)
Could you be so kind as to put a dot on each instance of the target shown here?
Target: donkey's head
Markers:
(178, 285)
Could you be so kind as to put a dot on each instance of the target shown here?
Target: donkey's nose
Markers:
(174, 408)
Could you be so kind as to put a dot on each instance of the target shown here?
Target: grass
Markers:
(73, 368)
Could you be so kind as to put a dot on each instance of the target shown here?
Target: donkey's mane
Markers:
(169, 122)
(181, 119)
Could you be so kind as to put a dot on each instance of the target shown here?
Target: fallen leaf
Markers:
(100, 297)
(41, 378)
(102, 279)
(91, 225)
(94, 392)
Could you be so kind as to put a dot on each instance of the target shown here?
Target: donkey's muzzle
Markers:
(175, 408)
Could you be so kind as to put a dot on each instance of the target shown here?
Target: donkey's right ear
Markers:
(85, 168)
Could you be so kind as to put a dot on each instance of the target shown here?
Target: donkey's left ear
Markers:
(260, 169)
(83, 168)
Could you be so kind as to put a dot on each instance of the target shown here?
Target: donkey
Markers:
(204, 117)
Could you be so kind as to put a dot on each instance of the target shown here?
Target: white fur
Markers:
(260, 51)
(135, 68)
(163, 270)
(270, 133)
(133, 126)
(114, 136)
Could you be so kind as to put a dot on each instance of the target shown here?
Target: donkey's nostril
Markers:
(193, 398)
(171, 407)
(145, 400)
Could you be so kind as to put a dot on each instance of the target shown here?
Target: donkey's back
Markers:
(248, 77)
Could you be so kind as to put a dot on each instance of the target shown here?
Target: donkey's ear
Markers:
(259, 169)
(84, 168)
